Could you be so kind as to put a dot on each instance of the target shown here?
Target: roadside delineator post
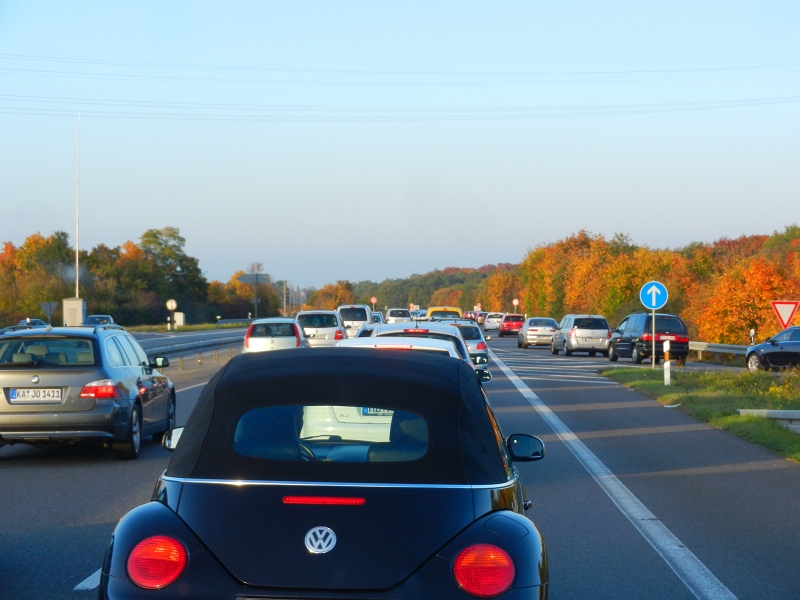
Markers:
(667, 379)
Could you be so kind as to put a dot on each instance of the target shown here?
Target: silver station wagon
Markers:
(70, 384)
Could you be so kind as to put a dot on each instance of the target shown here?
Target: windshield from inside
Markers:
(331, 434)
(44, 352)
(318, 320)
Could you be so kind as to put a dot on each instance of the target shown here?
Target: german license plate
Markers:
(668, 337)
(592, 340)
(35, 395)
(319, 336)
(376, 412)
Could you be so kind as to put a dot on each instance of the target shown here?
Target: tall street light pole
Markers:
(77, 212)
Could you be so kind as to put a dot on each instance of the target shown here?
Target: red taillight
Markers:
(103, 389)
(325, 500)
(682, 338)
(416, 330)
(247, 335)
(647, 337)
(573, 333)
(338, 335)
(481, 346)
(296, 336)
(156, 562)
(484, 570)
(609, 334)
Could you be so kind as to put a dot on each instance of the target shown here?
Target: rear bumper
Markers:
(107, 420)
(579, 345)
(534, 339)
(677, 350)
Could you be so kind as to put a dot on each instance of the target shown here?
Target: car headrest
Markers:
(38, 350)
(22, 357)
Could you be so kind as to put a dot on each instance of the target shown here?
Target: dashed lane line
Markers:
(693, 573)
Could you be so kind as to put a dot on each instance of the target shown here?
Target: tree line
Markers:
(721, 289)
(131, 282)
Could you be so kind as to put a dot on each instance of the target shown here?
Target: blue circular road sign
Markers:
(653, 295)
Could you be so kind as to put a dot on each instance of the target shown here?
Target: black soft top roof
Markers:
(463, 448)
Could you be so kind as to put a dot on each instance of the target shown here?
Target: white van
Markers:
(353, 316)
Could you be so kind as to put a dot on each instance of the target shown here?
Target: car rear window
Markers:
(445, 314)
(494, 316)
(434, 335)
(514, 319)
(331, 434)
(318, 320)
(542, 323)
(399, 313)
(48, 352)
(468, 332)
(353, 314)
(272, 330)
(590, 323)
(666, 324)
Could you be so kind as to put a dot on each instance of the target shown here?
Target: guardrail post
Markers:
(180, 362)
(199, 359)
(230, 352)
(216, 355)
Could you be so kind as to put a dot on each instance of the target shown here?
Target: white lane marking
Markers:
(191, 387)
(90, 583)
(694, 574)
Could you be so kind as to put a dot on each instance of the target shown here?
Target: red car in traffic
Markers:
(510, 325)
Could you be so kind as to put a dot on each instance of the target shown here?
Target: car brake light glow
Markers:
(573, 333)
(102, 389)
(296, 336)
(484, 570)
(609, 334)
(416, 330)
(156, 562)
(247, 335)
(394, 347)
(481, 346)
(338, 335)
(647, 337)
(324, 500)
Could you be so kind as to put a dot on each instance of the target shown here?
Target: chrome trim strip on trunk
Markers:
(489, 486)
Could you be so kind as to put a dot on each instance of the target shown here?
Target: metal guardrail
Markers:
(717, 349)
(173, 348)
(224, 322)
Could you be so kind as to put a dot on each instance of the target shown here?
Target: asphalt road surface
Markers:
(634, 500)
(176, 342)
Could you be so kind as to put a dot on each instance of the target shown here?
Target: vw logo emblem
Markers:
(320, 540)
(35, 379)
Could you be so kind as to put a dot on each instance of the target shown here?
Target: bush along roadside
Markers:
(715, 398)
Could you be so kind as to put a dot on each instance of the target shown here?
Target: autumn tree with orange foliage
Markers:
(330, 296)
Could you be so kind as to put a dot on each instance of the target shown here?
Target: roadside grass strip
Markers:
(692, 572)
(714, 397)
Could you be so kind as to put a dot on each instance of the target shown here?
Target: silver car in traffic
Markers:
(322, 327)
(492, 321)
(582, 333)
(398, 315)
(537, 331)
(276, 333)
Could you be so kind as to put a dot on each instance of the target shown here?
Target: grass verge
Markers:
(714, 397)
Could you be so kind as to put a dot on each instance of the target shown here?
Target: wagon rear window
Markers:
(273, 330)
(47, 352)
(590, 323)
(353, 314)
(331, 434)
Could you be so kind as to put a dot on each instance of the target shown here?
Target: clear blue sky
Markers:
(359, 140)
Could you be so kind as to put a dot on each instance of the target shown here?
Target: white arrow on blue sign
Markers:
(653, 295)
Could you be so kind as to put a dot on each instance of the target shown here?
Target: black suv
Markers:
(67, 384)
(634, 338)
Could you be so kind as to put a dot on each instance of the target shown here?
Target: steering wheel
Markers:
(306, 453)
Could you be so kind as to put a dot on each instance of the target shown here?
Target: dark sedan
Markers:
(778, 352)
(415, 496)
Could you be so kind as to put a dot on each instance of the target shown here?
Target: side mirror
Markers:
(487, 338)
(483, 375)
(160, 362)
(170, 439)
(525, 448)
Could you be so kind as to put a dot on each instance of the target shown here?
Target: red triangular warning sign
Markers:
(785, 310)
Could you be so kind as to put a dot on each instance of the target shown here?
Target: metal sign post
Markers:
(252, 278)
(654, 296)
(374, 301)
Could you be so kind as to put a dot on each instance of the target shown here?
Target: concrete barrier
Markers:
(785, 418)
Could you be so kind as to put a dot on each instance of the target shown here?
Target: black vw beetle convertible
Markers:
(336, 474)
